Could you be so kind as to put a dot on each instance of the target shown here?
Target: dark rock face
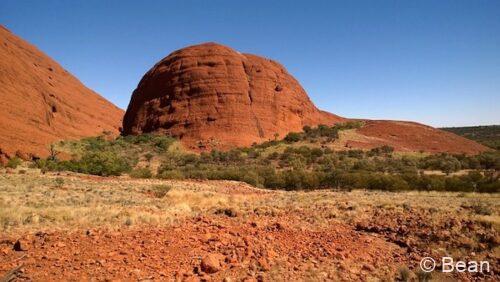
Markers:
(210, 95)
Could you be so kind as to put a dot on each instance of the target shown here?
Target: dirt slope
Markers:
(211, 95)
(411, 137)
(41, 102)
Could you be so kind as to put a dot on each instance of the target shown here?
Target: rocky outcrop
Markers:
(210, 95)
(42, 103)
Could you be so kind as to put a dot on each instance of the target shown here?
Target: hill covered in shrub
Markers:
(298, 161)
(488, 135)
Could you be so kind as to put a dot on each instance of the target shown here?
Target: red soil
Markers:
(332, 239)
(210, 248)
(414, 137)
(42, 103)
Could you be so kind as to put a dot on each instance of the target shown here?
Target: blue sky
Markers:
(436, 62)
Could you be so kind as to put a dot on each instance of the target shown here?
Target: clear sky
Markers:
(436, 62)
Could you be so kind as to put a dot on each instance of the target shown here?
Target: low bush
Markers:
(95, 163)
(293, 137)
(100, 163)
(160, 191)
(481, 209)
(14, 162)
(143, 172)
(59, 182)
(283, 164)
(170, 174)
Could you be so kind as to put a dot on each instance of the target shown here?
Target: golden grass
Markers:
(33, 201)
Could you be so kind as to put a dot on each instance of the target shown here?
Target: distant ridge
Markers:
(488, 135)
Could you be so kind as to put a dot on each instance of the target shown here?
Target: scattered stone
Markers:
(207, 237)
(20, 246)
(368, 267)
(5, 250)
(211, 263)
(229, 212)
(264, 264)
(59, 245)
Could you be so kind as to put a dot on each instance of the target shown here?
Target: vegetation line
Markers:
(300, 161)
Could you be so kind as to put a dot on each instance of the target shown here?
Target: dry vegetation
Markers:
(32, 201)
(167, 229)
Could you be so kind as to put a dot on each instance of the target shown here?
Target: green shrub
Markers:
(350, 125)
(481, 209)
(293, 137)
(14, 162)
(252, 178)
(95, 143)
(298, 179)
(383, 150)
(97, 163)
(270, 178)
(163, 143)
(102, 163)
(59, 182)
(444, 162)
(358, 154)
(387, 182)
(282, 165)
(160, 191)
(143, 172)
(45, 165)
(170, 174)
(489, 160)
(148, 157)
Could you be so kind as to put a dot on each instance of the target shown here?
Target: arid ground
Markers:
(77, 227)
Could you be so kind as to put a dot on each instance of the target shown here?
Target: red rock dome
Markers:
(211, 95)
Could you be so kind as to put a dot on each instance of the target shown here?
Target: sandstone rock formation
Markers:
(210, 95)
(42, 103)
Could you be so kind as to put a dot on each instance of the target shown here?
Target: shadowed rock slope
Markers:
(211, 96)
(42, 103)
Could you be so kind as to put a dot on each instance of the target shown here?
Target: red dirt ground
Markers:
(243, 249)
(264, 240)
(414, 137)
